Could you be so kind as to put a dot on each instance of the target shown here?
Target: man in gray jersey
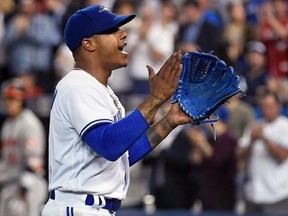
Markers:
(23, 187)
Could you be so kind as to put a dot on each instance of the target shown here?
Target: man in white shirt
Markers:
(151, 43)
(264, 147)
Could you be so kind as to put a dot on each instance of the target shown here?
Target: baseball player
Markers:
(23, 140)
(92, 143)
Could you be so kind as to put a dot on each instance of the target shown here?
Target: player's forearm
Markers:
(154, 135)
(159, 131)
(138, 150)
(149, 107)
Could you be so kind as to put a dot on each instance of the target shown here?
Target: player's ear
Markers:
(89, 44)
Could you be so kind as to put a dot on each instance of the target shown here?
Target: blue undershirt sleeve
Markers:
(113, 140)
(137, 151)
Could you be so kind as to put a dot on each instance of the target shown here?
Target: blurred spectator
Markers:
(253, 8)
(280, 87)
(123, 7)
(71, 8)
(211, 13)
(240, 115)
(219, 168)
(221, 8)
(29, 40)
(109, 4)
(57, 9)
(177, 176)
(32, 91)
(73, 5)
(169, 15)
(63, 61)
(35, 99)
(174, 179)
(150, 44)
(255, 74)
(195, 31)
(237, 31)
(193, 166)
(264, 150)
(6, 7)
(273, 31)
(22, 155)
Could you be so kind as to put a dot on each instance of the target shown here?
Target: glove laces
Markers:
(208, 121)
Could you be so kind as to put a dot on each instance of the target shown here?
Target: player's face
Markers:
(110, 49)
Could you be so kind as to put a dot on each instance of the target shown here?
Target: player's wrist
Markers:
(170, 122)
(149, 107)
(156, 99)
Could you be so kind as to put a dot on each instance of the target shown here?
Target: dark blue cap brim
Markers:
(117, 22)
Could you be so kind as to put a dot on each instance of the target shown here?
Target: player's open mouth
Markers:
(121, 48)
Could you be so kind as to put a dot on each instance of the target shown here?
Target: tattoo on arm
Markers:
(154, 138)
(159, 131)
(150, 115)
(149, 108)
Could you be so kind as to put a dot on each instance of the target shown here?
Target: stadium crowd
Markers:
(243, 170)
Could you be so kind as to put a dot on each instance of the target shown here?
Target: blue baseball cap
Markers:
(91, 20)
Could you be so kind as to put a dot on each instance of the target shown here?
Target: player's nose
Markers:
(122, 34)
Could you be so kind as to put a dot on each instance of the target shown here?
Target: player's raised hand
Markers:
(163, 84)
(176, 116)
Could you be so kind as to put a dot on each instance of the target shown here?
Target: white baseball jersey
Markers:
(80, 103)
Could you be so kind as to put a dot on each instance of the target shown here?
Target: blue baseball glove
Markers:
(206, 82)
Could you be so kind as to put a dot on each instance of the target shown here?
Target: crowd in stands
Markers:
(245, 168)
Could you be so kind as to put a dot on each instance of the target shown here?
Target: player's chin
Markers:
(120, 64)
(123, 65)
(124, 60)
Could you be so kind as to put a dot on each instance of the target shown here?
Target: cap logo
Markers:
(102, 8)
